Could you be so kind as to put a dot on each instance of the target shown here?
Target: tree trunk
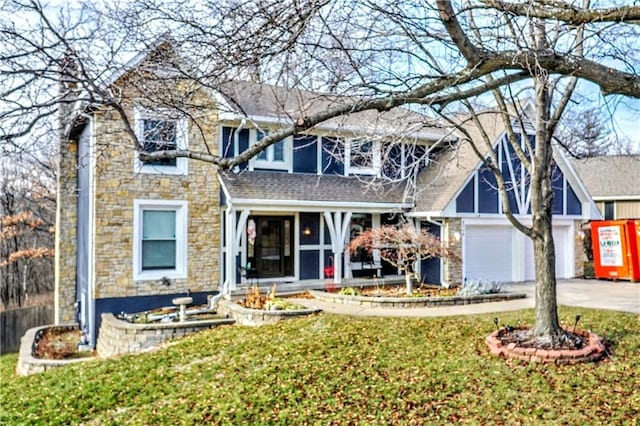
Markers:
(546, 324)
(407, 279)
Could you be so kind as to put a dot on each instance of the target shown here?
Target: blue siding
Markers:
(309, 264)
(332, 157)
(574, 206)
(510, 181)
(430, 268)
(557, 180)
(465, 203)
(305, 154)
(228, 143)
(129, 305)
(243, 145)
(312, 221)
(487, 192)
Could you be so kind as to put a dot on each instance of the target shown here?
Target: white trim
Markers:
(332, 129)
(334, 205)
(374, 170)
(182, 141)
(617, 198)
(180, 207)
(91, 225)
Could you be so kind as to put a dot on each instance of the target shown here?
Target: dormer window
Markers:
(363, 157)
(161, 131)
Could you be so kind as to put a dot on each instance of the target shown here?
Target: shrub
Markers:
(475, 287)
(349, 291)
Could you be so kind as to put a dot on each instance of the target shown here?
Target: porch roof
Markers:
(270, 187)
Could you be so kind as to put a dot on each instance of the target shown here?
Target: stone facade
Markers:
(579, 256)
(65, 235)
(452, 236)
(116, 183)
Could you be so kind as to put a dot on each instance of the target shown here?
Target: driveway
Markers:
(617, 296)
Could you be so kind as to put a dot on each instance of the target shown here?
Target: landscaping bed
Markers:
(403, 301)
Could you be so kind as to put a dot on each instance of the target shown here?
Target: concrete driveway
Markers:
(617, 296)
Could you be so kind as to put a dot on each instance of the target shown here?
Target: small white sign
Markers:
(610, 246)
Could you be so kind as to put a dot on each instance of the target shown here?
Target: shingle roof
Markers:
(262, 185)
(256, 100)
(610, 176)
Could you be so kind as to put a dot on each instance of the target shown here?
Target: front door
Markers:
(273, 246)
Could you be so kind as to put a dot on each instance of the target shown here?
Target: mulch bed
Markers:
(401, 291)
(59, 343)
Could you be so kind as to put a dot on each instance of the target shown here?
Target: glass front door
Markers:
(272, 250)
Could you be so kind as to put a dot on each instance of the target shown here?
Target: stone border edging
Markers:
(414, 302)
(593, 351)
(256, 317)
(122, 337)
(29, 364)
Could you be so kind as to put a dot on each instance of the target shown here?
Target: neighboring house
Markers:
(614, 183)
(133, 235)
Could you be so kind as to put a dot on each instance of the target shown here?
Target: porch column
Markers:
(240, 227)
(230, 261)
(338, 226)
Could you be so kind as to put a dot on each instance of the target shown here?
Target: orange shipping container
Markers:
(616, 249)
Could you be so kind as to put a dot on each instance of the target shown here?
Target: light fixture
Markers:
(581, 235)
(306, 231)
(456, 236)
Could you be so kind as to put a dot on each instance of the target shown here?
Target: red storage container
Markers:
(616, 249)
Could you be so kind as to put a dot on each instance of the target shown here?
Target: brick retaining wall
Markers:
(256, 317)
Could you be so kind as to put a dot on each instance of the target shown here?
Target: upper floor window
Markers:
(161, 131)
(274, 157)
(362, 157)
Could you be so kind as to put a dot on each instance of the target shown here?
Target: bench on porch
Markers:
(364, 265)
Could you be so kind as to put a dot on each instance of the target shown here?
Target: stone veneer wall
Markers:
(579, 256)
(117, 185)
(65, 234)
(453, 268)
(121, 337)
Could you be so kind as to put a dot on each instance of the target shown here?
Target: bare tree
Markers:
(443, 57)
(402, 246)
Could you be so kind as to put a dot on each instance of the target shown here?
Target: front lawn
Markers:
(343, 370)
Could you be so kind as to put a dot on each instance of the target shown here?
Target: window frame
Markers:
(269, 163)
(181, 166)
(181, 210)
(357, 170)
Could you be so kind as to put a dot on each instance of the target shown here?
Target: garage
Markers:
(560, 236)
(500, 253)
(488, 253)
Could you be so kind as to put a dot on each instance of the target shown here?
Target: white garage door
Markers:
(488, 252)
(560, 235)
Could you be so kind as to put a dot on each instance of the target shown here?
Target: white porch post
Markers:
(239, 232)
(230, 263)
(338, 227)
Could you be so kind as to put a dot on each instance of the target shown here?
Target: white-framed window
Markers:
(275, 157)
(161, 131)
(362, 157)
(159, 239)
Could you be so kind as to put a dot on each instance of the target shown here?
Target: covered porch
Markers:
(281, 228)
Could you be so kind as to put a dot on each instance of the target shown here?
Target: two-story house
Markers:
(131, 235)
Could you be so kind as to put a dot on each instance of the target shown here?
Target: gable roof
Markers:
(272, 188)
(610, 177)
(440, 182)
(266, 103)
